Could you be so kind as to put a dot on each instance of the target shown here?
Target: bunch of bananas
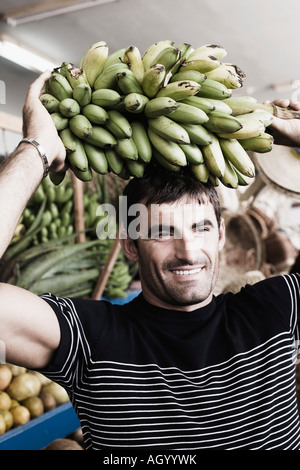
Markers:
(172, 105)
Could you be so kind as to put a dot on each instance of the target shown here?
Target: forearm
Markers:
(20, 175)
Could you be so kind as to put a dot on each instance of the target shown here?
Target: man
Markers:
(176, 368)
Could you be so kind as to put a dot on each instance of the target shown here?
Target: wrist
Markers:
(40, 150)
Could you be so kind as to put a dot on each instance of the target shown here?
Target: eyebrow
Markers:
(172, 228)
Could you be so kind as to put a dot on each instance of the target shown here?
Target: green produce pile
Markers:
(172, 105)
(44, 256)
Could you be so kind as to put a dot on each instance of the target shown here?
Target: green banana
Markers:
(192, 152)
(193, 75)
(133, 59)
(82, 94)
(219, 52)
(115, 162)
(203, 65)
(128, 83)
(151, 53)
(69, 107)
(185, 51)
(264, 116)
(106, 98)
(213, 89)
(229, 178)
(141, 140)
(169, 129)
(84, 176)
(198, 134)
(214, 158)
(202, 103)
(61, 122)
(50, 102)
(57, 177)
(101, 137)
(213, 180)
(96, 158)
(243, 180)
(80, 126)
(59, 86)
(126, 148)
(260, 144)
(200, 171)
(162, 161)
(135, 102)
(188, 114)
(95, 114)
(118, 125)
(168, 149)
(222, 122)
(93, 61)
(251, 128)
(136, 168)
(78, 159)
(108, 76)
(219, 105)
(168, 57)
(76, 76)
(68, 139)
(244, 105)
(153, 80)
(236, 154)
(230, 75)
(179, 90)
(160, 107)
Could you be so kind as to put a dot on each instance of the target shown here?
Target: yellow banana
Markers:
(244, 105)
(201, 65)
(214, 158)
(95, 114)
(133, 59)
(93, 61)
(153, 80)
(219, 52)
(168, 149)
(179, 90)
(230, 75)
(251, 128)
(236, 154)
(264, 116)
(141, 140)
(160, 107)
(169, 129)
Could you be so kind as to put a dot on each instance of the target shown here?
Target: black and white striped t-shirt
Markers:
(219, 377)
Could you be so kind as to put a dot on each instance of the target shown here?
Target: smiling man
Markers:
(176, 368)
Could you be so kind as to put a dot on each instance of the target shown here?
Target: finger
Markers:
(36, 86)
(284, 103)
(295, 105)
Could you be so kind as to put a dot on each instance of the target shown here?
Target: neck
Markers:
(154, 300)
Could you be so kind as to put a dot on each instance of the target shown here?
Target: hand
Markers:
(286, 131)
(38, 124)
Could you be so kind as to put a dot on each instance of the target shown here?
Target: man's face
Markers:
(179, 258)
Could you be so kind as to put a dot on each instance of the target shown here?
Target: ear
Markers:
(130, 249)
(222, 236)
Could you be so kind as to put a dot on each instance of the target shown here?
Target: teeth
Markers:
(187, 272)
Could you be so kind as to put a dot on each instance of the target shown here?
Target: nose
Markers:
(186, 248)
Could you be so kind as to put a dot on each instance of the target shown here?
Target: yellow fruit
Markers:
(20, 414)
(35, 406)
(2, 425)
(58, 392)
(8, 418)
(24, 386)
(42, 378)
(5, 401)
(16, 370)
(5, 376)
(14, 403)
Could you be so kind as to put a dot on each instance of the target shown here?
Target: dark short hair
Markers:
(158, 186)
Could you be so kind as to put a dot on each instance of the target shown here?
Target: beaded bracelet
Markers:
(41, 151)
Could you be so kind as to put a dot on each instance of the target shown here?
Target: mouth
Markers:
(186, 272)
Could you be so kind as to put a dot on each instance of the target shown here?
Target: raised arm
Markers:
(28, 326)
